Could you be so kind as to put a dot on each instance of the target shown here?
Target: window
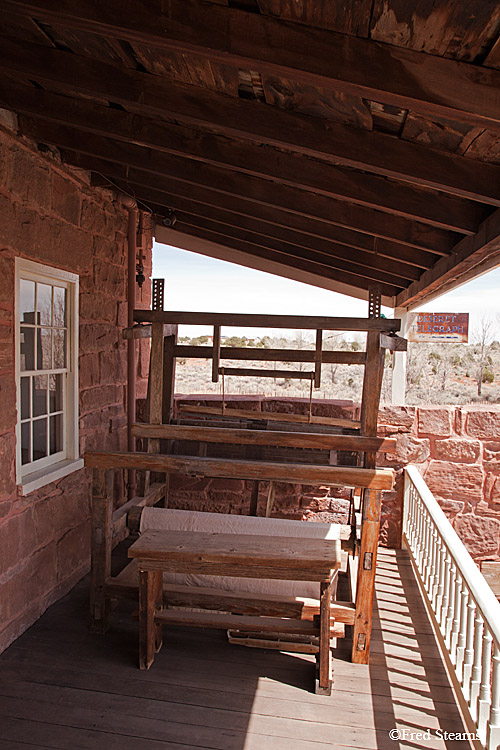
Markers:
(47, 382)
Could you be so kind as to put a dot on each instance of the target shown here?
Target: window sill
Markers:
(40, 478)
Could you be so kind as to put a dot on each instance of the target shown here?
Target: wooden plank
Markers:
(305, 322)
(365, 592)
(102, 534)
(237, 622)
(289, 554)
(154, 494)
(169, 364)
(270, 416)
(144, 331)
(156, 374)
(149, 631)
(250, 191)
(393, 343)
(350, 476)
(253, 41)
(254, 498)
(471, 257)
(324, 682)
(197, 597)
(318, 358)
(322, 441)
(249, 372)
(269, 355)
(334, 272)
(444, 212)
(216, 355)
(270, 499)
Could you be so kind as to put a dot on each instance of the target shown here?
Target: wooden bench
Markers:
(249, 556)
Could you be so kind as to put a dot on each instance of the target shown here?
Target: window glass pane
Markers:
(27, 301)
(25, 398)
(26, 443)
(55, 393)
(44, 304)
(39, 439)
(27, 341)
(39, 395)
(56, 434)
(59, 344)
(44, 349)
(59, 306)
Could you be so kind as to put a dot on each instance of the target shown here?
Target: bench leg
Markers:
(150, 599)
(324, 678)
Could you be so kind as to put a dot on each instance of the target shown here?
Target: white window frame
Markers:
(49, 470)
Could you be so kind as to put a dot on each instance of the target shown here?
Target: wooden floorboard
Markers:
(62, 687)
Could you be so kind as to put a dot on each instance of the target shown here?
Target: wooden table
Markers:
(246, 556)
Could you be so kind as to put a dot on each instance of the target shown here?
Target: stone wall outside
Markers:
(457, 449)
(51, 214)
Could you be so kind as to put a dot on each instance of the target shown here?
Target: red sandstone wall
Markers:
(456, 448)
(51, 214)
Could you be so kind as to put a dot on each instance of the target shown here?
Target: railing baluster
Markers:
(459, 659)
(476, 667)
(493, 727)
(484, 701)
(451, 603)
(446, 586)
(455, 625)
(469, 649)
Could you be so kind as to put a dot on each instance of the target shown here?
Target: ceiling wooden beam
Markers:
(296, 245)
(281, 225)
(239, 162)
(304, 204)
(345, 273)
(238, 212)
(425, 83)
(471, 257)
(353, 147)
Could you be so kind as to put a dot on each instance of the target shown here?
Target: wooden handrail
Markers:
(229, 435)
(293, 473)
(300, 322)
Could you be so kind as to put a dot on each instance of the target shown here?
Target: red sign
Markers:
(443, 327)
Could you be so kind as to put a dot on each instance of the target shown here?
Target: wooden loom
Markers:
(161, 431)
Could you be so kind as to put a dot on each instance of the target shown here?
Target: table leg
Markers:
(150, 599)
(324, 679)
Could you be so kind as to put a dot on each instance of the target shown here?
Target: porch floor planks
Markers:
(62, 687)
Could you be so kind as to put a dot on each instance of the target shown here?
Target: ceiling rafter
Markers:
(425, 83)
(375, 152)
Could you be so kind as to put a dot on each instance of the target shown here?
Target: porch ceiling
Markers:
(341, 144)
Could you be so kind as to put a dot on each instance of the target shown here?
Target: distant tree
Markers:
(483, 339)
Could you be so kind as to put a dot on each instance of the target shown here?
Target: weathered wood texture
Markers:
(350, 476)
(266, 437)
(204, 692)
(270, 416)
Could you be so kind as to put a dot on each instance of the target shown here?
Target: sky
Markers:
(200, 283)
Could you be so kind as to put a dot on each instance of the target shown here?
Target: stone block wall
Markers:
(51, 214)
(456, 448)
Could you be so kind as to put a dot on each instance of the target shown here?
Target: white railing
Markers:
(466, 611)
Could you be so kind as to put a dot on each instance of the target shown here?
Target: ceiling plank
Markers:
(297, 245)
(353, 147)
(271, 222)
(233, 159)
(425, 83)
(362, 280)
(291, 200)
(471, 257)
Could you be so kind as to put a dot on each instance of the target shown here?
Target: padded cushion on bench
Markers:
(186, 520)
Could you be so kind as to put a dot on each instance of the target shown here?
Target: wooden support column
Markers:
(216, 355)
(102, 534)
(318, 358)
(324, 680)
(150, 600)
(169, 364)
(398, 390)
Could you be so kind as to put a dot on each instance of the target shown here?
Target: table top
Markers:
(289, 553)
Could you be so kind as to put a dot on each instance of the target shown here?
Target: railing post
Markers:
(469, 650)
(459, 660)
(476, 667)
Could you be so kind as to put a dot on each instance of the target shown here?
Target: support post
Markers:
(324, 680)
(150, 599)
(102, 535)
(398, 392)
